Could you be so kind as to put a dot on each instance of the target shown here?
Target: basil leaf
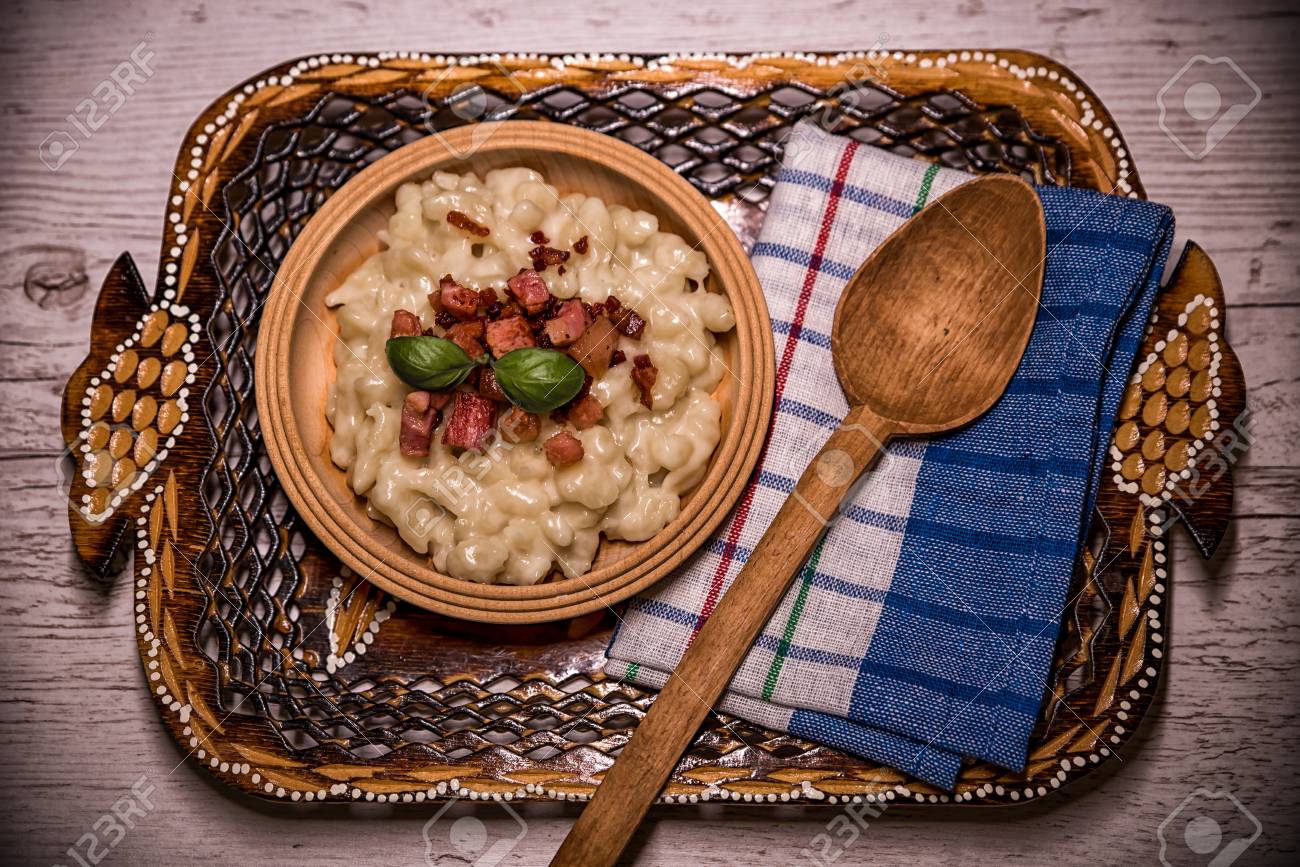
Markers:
(428, 363)
(539, 380)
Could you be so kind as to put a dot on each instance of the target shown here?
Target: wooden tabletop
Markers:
(1225, 720)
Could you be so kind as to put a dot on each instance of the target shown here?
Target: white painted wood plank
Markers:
(1226, 716)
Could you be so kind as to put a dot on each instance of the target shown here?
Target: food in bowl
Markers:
(519, 372)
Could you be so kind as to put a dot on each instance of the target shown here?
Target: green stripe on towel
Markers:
(795, 613)
(926, 181)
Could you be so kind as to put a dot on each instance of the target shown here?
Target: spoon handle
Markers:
(631, 785)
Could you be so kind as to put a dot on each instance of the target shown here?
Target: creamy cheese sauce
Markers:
(507, 515)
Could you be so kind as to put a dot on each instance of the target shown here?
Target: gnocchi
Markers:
(506, 514)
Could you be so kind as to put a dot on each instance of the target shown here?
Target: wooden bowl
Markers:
(294, 366)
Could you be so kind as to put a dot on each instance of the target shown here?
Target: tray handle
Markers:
(1201, 494)
(95, 394)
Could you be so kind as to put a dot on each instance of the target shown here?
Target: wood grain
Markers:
(1229, 695)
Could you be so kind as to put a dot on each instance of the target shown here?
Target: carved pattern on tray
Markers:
(289, 677)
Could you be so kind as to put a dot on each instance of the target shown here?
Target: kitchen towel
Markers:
(922, 627)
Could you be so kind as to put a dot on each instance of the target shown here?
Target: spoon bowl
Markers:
(943, 312)
(926, 337)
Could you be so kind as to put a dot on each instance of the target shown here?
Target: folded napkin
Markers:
(922, 628)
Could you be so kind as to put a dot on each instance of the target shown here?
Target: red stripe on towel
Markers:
(782, 373)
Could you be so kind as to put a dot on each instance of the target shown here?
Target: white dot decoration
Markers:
(180, 236)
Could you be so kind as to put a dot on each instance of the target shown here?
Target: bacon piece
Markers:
(563, 449)
(543, 257)
(468, 336)
(580, 246)
(419, 418)
(487, 297)
(471, 422)
(509, 334)
(627, 321)
(519, 426)
(617, 358)
(455, 299)
(440, 399)
(539, 237)
(569, 322)
(561, 415)
(594, 349)
(529, 290)
(489, 387)
(405, 324)
(585, 412)
(644, 375)
(465, 224)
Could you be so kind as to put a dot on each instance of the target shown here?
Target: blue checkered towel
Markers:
(922, 627)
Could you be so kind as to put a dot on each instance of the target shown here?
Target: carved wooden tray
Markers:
(290, 678)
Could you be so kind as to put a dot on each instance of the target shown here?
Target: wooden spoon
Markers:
(927, 334)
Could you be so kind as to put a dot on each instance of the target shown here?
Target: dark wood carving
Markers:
(290, 678)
